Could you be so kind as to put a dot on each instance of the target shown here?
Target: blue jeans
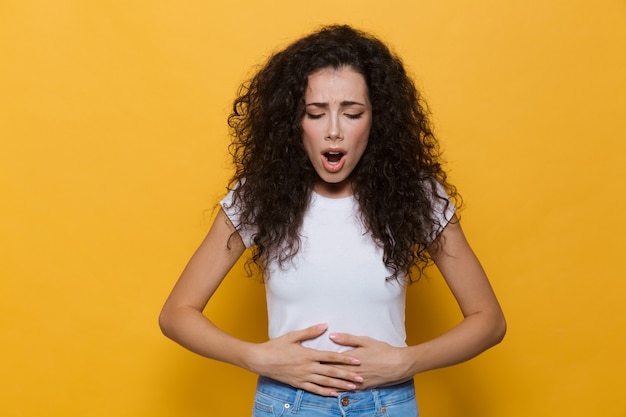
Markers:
(275, 399)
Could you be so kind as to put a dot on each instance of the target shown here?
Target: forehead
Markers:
(332, 84)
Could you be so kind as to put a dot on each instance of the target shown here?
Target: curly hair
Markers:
(395, 180)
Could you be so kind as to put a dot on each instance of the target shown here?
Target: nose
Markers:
(334, 130)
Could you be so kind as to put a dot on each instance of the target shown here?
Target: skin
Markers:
(337, 120)
(332, 98)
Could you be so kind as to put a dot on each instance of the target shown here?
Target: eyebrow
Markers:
(342, 104)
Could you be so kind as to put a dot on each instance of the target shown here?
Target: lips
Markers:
(333, 160)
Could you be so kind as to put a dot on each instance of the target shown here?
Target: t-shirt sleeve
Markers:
(443, 210)
(233, 213)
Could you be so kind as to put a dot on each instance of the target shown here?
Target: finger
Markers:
(345, 358)
(307, 334)
(329, 381)
(334, 384)
(346, 339)
(320, 390)
(338, 376)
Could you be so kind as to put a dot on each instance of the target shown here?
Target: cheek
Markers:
(362, 135)
(309, 130)
(308, 141)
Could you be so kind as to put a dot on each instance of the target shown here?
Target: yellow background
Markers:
(112, 122)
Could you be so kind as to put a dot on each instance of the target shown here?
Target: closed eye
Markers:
(353, 116)
(314, 116)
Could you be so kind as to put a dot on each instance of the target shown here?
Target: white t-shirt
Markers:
(338, 277)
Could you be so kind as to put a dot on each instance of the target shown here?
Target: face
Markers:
(336, 127)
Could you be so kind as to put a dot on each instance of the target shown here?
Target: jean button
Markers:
(345, 401)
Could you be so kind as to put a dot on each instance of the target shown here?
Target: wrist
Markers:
(252, 358)
(413, 360)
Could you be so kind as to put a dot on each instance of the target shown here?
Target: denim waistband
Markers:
(374, 398)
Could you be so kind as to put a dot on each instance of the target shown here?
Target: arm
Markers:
(283, 358)
(482, 327)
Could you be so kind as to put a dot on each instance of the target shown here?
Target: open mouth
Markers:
(333, 157)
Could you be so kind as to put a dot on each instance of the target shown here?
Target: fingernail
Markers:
(321, 327)
(355, 362)
(358, 379)
(334, 394)
(351, 386)
(333, 336)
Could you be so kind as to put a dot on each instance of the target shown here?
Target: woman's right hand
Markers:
(286, 360)
(283, 359)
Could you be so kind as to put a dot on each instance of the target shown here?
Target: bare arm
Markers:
(284, 359)
(483, 324)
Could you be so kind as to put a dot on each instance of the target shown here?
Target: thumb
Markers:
(309, 333)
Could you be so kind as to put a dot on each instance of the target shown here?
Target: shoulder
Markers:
(232, 208)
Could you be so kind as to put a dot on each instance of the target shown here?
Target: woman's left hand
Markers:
(381, 363)
(483, 323)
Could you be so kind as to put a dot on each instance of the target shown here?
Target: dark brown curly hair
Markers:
(394, 182)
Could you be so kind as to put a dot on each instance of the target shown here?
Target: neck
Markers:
(334, 190)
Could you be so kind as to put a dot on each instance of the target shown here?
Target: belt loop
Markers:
(297, 402)
(377, 403)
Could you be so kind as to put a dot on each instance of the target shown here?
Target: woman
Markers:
(340, 193)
